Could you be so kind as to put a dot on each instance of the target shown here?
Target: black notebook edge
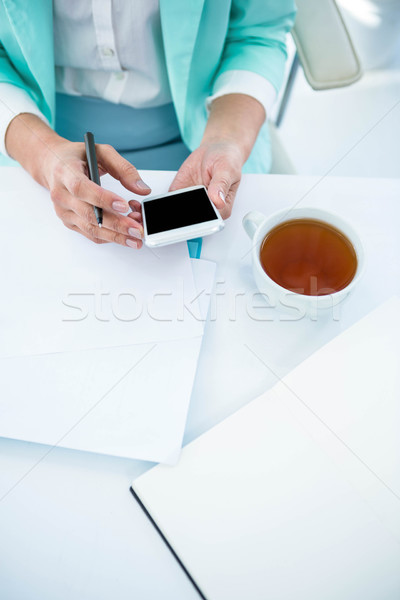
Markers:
(169, 546)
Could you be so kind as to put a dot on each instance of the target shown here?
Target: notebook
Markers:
(295, 495)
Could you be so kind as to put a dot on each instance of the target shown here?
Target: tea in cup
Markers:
(304, 258)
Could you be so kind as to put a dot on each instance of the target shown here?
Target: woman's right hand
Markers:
(60, 165)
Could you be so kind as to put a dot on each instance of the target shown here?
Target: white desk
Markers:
(70, 528)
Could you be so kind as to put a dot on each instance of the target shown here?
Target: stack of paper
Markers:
(99, 344)
(297, 494)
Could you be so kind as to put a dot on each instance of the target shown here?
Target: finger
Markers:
(128, 225)
(183, 179)
(120, 223)
(102, 235)
(136, 217)
(135, 206)
(79, 186)
(178, 182)
(94, 232)
(69, 221)
(121, 169)
(96, 241)
(61, 198)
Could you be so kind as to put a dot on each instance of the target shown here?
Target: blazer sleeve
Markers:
(14, 98)
(256, 39)
(26, 51)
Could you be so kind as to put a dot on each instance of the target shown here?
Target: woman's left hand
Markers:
(217, 165)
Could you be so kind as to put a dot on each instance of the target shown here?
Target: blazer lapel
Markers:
(180, 22)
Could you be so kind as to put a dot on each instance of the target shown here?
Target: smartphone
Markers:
(179, 216)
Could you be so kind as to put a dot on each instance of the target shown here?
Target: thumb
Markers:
(218, 188)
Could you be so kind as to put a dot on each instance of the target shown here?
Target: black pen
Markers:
(93, 171)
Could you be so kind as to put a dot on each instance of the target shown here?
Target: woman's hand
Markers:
(60, 165)
(217, 165)
(231, 130)
(74, 195)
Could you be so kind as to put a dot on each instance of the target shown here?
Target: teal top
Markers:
(202, 39)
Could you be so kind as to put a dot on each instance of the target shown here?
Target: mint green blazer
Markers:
(202, 39)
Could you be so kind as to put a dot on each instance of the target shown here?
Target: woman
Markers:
(159, 84)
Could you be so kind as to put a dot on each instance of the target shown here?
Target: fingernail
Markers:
(137, 216)
(222, 196)
(120, 206)
(131, 243)
(133, 232)
(142, 185)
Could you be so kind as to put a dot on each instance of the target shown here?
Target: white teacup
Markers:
(258, 225)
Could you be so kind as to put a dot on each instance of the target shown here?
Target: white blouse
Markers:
(113, 49)
(119, 55)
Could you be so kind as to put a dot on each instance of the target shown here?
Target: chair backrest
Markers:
(324, 46)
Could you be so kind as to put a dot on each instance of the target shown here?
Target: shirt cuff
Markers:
(244, 82)
(13, 102)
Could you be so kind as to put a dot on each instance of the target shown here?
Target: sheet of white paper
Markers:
(255, 509)
(61, 292)
(127, 401)
(72, 513)
(249, 345)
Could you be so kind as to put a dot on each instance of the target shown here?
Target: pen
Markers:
(93, 170)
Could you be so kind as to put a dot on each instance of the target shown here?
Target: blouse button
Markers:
(107, 51)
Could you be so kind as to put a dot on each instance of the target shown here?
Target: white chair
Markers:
(328, 58)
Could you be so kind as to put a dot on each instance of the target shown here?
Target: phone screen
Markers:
(178, 210)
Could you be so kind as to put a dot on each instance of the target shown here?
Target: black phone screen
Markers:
(178, 210)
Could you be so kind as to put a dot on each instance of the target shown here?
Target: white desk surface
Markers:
(69, 527)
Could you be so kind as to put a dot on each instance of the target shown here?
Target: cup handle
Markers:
(252, 221)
